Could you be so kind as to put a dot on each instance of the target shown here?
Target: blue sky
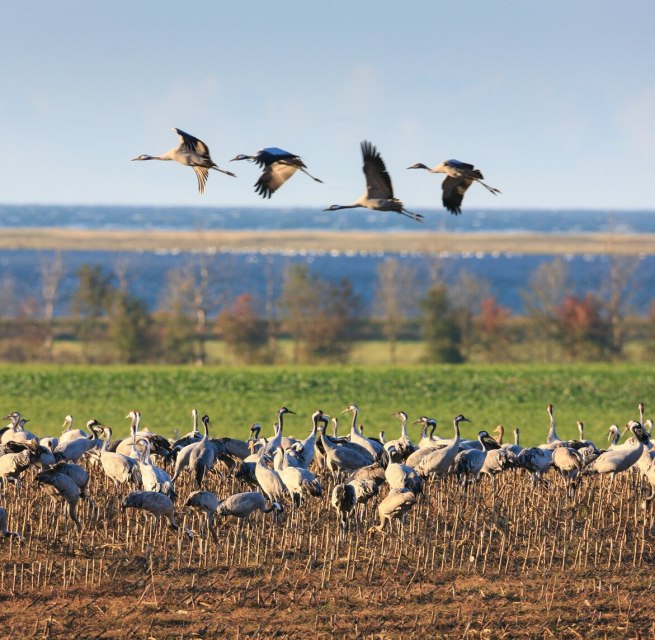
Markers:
(555, 101)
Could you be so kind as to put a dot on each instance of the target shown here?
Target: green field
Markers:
(234, 397)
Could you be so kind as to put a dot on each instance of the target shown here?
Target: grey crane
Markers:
(342, 458)
(374, 471)
(343, 499)
(401, 476)
(459, 177)
(618, 460)
(193, 153)
(153, 502)
(552, 440)
(356, 437)
(298, 481)
(535, 460)
(117, 467)
(468, 464)
(68, 433)
(394, 506)
(203, 455)
(12, 465)
(73, 450)
(569, 463)
(3, 527)
(154, 478)
(277, 440)
(278, 166)
(400, 449)
(269, 480)
(379, 192)
(243, 505)
(208, 503)
(63, 486)
(438, 462)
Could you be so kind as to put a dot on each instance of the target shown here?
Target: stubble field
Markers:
(505, 560)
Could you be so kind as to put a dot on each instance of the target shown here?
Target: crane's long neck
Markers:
(353, 426)
(501, 434)
(516, 437)
(552, 434)
(403, 426)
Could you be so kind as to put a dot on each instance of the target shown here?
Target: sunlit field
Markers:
(235, 397)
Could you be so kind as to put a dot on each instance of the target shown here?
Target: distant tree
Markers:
(177, 335)
(131, 329)
(320, 316)
(299, 304)
(440, 327)
(195, 289)
(584, 332)
(243, 331)
(91, 302)
(395, 299)
(548, 287)
(617, 293)
(52, 271)
(466, 297)
(493, 329)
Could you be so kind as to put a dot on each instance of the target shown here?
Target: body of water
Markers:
(235, 273)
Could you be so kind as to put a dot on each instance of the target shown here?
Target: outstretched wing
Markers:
(192, 143)
(453, 193)
(273, 177)
(378, 180)
(202, 173)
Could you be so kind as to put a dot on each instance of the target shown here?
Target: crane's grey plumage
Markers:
(72, 450)
(379, 192)
(63, 486)
(459, 177)
(269, 480)
(394, 506)
(242, 505)
(193, 153)
(153, 502)
(438, 462)
(68, 433)
(117, 467)
(278, 166)
(208, 503)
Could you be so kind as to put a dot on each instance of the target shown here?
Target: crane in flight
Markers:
(278, 166)
(379, 192)
(459, 177)
(191, 152)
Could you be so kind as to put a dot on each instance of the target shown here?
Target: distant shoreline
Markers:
(423, 241)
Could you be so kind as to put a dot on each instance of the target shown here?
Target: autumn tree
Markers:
(243, 331)
(492, 325)
(584, 332)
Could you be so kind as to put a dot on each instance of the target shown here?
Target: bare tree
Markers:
(195, 288)
(466, 297)
(548, 288)
(52, 271)
(395, 299)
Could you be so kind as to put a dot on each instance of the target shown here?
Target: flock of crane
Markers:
(279, 165)
(284, 472)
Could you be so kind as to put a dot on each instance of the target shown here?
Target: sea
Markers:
(145, 273)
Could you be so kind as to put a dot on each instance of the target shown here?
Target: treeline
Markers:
(323, 319)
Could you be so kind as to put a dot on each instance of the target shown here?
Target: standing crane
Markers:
(379, 192)
(278, 166)
(191, 152)
(459, 177)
